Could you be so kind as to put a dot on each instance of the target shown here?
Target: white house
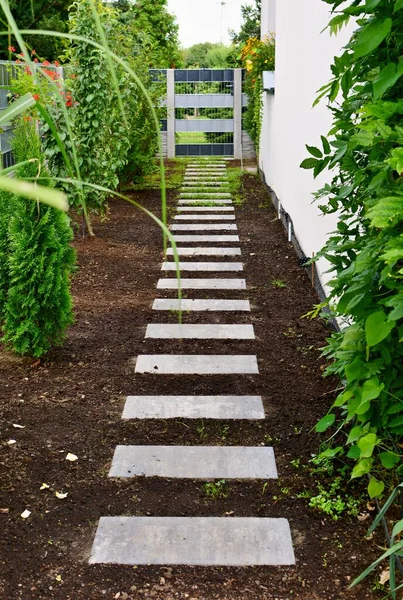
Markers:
(304, 53)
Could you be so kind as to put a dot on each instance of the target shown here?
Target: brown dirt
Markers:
(73, 401)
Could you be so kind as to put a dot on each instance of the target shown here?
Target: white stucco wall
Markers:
(303, 58)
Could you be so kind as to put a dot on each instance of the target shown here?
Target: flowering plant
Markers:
(256, 56)
(42, 83)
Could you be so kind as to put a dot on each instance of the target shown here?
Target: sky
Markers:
(206, 20)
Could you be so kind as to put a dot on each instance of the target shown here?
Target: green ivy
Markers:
(364, 151)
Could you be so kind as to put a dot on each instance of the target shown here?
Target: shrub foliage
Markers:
(364, 150)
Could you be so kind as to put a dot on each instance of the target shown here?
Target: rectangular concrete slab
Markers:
(203, 183)
(202, 284)
(195, 462)
(204, 227)
(194, 407)
(199, 541)
(205, 238)
(204, 195)
(204, 217)
(204, 201)
(202, 305)
(208, 251)
(197, 364)
(199, 331)
(202, 209)
(203, 266)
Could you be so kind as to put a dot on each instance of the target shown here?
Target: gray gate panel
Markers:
(205, 125)
(204, 101)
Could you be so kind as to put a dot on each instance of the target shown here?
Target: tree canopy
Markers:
(206, 55)
(250, 27)
(37, 14)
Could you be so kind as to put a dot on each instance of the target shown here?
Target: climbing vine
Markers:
(256, 56)
(364, 150)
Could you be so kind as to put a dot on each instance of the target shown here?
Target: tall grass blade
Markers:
(35, 192)
(17, 108)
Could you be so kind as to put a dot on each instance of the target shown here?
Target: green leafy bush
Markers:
(364, 149)
(37, 259)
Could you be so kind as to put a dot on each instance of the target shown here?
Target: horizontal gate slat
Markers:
(205, 125)
(204, 101)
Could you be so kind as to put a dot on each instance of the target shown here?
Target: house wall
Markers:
(303, 58)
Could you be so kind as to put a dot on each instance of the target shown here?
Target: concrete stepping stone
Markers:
(191, 217)
(199, 305)
(184, 209)
(203, 183)
(206, 201)
(194, 462)
(198, 541)
(197, 364)
(203, 227)
(208, 251)
(210, 179)
(206, 195)
(194, 407)
(206, 238)
(203, 266)
(199, 331)
(202, 284)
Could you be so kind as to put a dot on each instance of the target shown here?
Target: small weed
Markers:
(296, 463)
(271, 439)
(332, 503)
(223, 431)
(216, 490)
(297, 430)
(278, 283)
(201, 430)
(285, 491)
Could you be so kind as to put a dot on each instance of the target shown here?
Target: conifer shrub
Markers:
(38, 305)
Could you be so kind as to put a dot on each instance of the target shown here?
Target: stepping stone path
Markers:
(205, 541)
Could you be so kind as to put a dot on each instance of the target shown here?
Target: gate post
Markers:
(171, 113)
(237, 113)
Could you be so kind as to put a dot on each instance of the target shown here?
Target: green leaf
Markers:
(314, 151)
(389, 460)
(377, 328)
(375, 487)
(371, 4)
(331, 452)
(16, 108)
(367, 444)
(308, 163)
(371, 389)
(362, 468)
(371, 36)
(398, 528)
(326, 422)
(398, 5)
(387, 212)
(35, 192)
(355, 434)
(343, 398)
(355, 370)
(354, 452)
(325, 144)
(387, 78)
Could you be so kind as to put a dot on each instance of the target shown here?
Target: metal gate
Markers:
(204, 112)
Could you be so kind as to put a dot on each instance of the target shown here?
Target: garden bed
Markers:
(73, 402)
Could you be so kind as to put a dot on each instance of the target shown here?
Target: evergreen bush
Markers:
(37, 304)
